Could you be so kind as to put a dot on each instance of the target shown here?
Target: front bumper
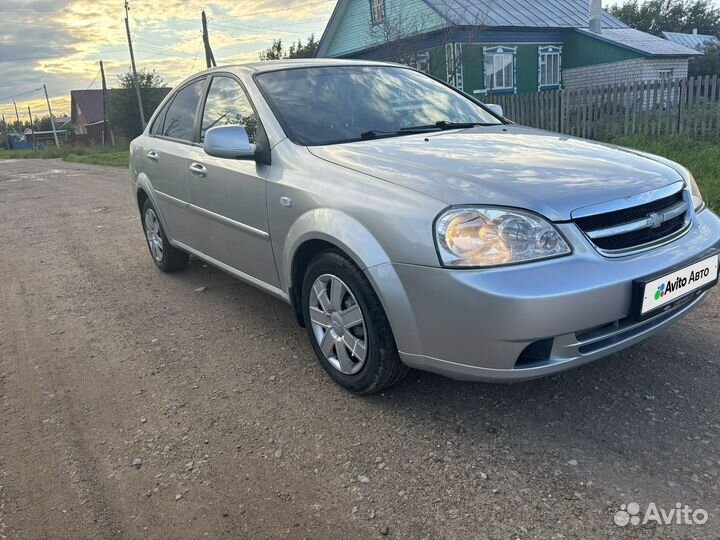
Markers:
(527, 321)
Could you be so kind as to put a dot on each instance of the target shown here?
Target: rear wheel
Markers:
(166, 257)
(347, 326)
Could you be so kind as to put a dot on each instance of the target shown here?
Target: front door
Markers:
(229, 195)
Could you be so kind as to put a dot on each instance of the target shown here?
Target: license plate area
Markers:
(672, 288)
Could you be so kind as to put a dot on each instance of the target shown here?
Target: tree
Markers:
(297, 50)
(123, 106)
(657, 16)
(398, 35)
(42, 123)
(400, 38)
(300, 50)
(708, 63)
(274, 52)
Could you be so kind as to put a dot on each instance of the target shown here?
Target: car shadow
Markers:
(648, 412)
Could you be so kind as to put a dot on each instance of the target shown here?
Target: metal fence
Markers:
(689, 107)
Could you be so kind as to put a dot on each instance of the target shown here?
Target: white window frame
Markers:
(547, 56)
(453, 51)
(377, 11)
(665, 74)
(493, 54)
(422, 61)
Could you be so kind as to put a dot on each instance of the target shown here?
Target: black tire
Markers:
(172, 259)
(382, 366)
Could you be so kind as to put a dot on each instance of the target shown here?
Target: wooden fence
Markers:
(689, 107)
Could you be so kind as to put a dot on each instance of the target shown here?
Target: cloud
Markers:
(60, 42)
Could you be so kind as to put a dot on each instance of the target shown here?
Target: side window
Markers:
(227, 105)
(180, 117)
(156, 128)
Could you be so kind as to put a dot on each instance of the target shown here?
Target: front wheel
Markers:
(166, 257)
(347, 326)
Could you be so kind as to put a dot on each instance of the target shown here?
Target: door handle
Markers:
(152, 155)
(198, 170)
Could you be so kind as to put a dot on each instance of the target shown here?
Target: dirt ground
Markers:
(134, 406)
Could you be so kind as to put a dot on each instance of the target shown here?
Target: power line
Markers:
(289, 8)
(4, 98)
(31, 10)
(54, 24)
(197, 52)
(165, 47)
(47, 57)
(35, 49)
(174, 48)
(56, 56)
(236, 25)
(93, 81)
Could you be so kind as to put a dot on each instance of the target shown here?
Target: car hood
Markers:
(507, 165)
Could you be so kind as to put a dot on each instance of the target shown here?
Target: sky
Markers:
(60, 42)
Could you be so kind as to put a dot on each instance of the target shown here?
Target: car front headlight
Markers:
(476, 237)
(697, 197)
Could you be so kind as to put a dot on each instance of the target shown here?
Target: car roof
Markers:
(275, 65)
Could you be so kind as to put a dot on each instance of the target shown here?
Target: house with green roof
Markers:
(503, 46)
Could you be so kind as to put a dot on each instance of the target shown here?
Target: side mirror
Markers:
(497, 109)
(231, 142)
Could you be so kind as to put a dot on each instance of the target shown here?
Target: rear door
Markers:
(229, 195)
(166, 159)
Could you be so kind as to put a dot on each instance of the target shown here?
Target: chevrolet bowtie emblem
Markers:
(655, 220)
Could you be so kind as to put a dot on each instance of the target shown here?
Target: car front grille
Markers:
(637, 227)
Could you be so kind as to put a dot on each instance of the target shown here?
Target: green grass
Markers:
(113, 159)
(94, 155)
(702, 158)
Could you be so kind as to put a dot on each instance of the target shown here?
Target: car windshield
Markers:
(328, 105)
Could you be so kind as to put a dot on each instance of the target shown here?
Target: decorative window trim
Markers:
(453, 51)
(377, 11)
(666, 74)
(549, 50)
(498, 51)
(422, 59)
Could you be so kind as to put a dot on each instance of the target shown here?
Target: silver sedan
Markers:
(409, 225)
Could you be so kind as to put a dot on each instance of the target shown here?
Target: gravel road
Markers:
(135, 404)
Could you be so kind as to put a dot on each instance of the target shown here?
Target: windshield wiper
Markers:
(377, 134)
(445, 124)
(431, 128)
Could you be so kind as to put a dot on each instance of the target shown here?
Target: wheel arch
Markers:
(320, 230)
(143, 192)
(141, 196)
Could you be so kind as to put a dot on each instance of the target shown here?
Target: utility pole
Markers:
(17, 116)
(32, 128)
(7, 133)
(106, 126)
(209, 57)
(132, 61)
(52, 119)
